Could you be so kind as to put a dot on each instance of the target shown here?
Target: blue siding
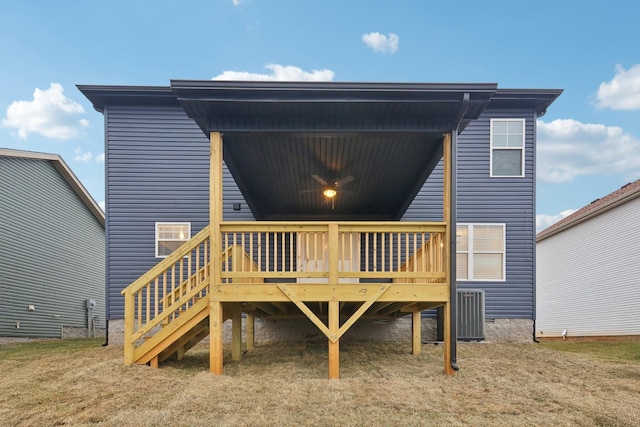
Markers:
(501, 200)
(157, 171)
(482, 199)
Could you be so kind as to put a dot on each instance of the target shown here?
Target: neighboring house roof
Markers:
(624, 194)
(66, 173)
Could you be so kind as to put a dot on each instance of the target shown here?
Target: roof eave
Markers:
(102, 96)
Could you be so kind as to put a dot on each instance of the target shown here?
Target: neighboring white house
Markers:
(588, 269)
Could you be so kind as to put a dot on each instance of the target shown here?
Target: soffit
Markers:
(388, 137)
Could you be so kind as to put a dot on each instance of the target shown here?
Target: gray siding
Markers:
(51, 252)
(157, 171)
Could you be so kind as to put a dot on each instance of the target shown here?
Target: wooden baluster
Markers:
(155, 297)
(148, 303)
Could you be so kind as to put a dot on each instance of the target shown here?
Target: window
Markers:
(507, 147)
(170, 235)
(480, 252)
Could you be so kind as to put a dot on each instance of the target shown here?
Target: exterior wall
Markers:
(483, 199)
(600, 297)
(157, 162)
(51, 253)
(163, 147)
(511, 201)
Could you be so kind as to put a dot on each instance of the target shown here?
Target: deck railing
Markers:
(257, 252)
(169, 288)
(305, 251)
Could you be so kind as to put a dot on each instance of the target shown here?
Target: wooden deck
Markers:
(333, 273)
(287, 270)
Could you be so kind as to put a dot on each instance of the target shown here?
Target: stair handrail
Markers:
(167, 262)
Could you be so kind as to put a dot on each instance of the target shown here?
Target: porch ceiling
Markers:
(388, 137)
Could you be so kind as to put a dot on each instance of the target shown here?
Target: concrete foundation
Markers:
(498, 330)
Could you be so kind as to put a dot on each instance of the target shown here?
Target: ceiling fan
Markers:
(330, 190)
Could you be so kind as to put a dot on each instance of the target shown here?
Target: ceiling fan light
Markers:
(329, 193)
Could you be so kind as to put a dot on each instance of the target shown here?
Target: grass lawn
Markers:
(79, 382)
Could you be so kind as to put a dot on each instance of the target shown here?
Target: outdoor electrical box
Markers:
(91, 304)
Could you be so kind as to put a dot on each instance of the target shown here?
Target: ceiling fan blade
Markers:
(344, 180)
(320, 180)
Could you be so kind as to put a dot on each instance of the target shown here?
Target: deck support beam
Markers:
(236, 331)
(250, 328)
(216, 318)
(215, 337)
(416, 332)
(334, 346)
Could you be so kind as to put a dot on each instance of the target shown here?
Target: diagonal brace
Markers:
(333, 336)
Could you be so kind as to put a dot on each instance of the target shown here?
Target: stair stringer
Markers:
(173, 332)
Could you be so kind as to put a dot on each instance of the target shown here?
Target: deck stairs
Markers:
(167, 309)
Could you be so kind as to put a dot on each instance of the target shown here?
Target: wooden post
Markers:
(334, 253)
(215, 265)
(416, 324)
(128, 328)
(251, 324)
(334, 347)
(236, 332)
(334, 306)
(215, 336)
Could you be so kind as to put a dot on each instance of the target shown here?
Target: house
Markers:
(588, 277)
(327, 205)
(52, 269)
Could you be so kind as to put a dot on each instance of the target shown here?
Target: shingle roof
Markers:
(66, 173)
(622, 195)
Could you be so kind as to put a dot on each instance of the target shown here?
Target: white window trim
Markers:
(158, 224)
(470, 252)
(491, 148)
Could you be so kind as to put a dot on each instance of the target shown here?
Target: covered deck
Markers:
(333, 260)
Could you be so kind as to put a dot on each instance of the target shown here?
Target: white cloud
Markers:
(100, 158)
(279, 73)
(50, 113)
(544, 221)
(82, 156)
(568, 149)
(622, 92)
(381, 43)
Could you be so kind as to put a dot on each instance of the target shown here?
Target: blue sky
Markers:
(588, 142)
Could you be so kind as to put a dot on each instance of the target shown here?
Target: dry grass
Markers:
(82, 383)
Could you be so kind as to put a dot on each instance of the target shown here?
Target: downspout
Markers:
(106, 230)
(453, 289)
(534, 273)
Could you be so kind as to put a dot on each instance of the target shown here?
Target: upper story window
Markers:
(480, 252)
(170, 235)
(507, 147)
